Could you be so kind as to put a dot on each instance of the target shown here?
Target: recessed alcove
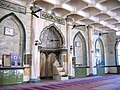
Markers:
(51, 49)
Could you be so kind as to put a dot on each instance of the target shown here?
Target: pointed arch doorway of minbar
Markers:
(51, 48)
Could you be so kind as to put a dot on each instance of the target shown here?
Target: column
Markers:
(67, 41)
(35, 67)
(89, 30)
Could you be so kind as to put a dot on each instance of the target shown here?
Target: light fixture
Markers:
(100, 34)
(68, 19)
(37, 42)
(71, 48)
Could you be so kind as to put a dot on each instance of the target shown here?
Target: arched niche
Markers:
(52, 45)
(99, 52)
(79, 49)
(51, 37)
(15, 43)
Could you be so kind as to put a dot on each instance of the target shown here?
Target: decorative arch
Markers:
(52, 37)
(21, 28)
(79, 49)
(99, 51)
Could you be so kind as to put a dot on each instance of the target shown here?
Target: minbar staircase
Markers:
(59, 72)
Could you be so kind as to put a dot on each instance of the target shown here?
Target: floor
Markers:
(105, 82)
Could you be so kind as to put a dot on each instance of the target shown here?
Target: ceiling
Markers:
(102, 15)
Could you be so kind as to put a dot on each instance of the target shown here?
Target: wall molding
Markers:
(12, 7)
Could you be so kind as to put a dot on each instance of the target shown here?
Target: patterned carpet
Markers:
(106, 82)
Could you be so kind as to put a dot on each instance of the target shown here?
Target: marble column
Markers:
(90, 50)
(66, 56)
(35, 67)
